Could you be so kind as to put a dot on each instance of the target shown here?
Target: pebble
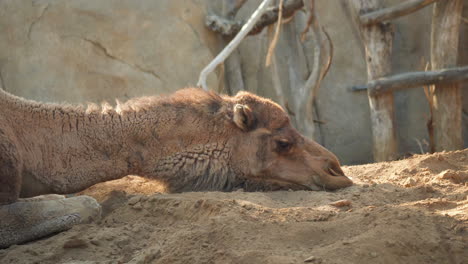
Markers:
(122, 242)
(247, 206)
(390, 243)
(95, 242)
(341, 203)
(32, 252)
(373, 254)
(134, 200)
(311, 259)
(75, 243)
(402, 216)
(409, 182)
(136, 229)
(137, 206)
(454, 176)
(429, 189)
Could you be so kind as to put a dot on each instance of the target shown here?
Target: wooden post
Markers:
(378, 40)
(447, 105)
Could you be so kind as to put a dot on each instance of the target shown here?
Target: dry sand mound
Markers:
(408, 211)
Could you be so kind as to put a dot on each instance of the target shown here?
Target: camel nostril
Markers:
(335, 169)
(332, 172)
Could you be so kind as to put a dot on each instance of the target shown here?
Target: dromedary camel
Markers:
(191, 141)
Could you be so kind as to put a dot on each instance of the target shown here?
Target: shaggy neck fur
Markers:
(169, 139)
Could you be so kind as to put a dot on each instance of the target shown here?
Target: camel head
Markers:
(270, 149)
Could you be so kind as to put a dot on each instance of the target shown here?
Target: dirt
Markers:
(408, 211)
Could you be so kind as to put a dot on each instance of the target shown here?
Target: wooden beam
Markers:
(447, 106)
(414, 79)
(229, 28)
(393, 12)
(378, 42)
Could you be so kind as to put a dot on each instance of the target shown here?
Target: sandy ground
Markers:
(409, 211)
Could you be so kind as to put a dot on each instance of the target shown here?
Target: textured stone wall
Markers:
(90, 51)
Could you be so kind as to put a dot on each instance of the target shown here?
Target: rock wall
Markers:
(85, 50)
(91, 51)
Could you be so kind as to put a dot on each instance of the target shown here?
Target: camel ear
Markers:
(243, 117)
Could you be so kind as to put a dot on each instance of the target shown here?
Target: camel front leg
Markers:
(33, 218)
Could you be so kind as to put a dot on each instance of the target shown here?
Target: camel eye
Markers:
(283, 145)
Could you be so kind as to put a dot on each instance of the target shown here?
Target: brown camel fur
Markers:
(191, 141)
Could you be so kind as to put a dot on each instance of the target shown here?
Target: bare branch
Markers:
(277, 82)
(330, 55)
(415, 79)
(385, 14)
(274, 41)
(313, 82)
(232, 64)
(229, 28)
(233, 44)
(308, 24)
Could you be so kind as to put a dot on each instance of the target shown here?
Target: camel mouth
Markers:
(337, 174)
(317, 180)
